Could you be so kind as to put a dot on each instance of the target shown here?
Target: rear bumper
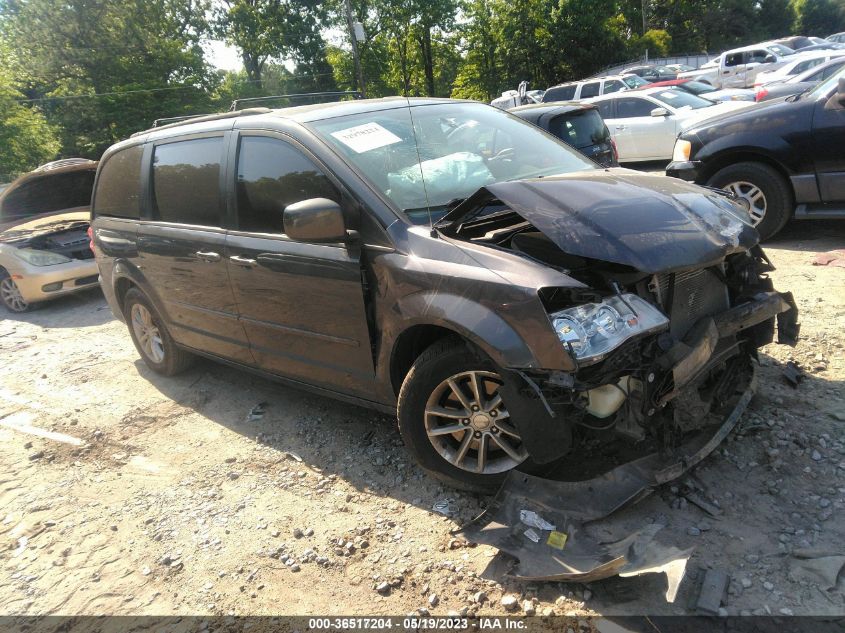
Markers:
(688, 170)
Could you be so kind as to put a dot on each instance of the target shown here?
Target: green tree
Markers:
(102, 69)
(26, 139)
(819, 17)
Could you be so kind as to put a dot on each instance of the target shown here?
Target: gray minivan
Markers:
(443, 260)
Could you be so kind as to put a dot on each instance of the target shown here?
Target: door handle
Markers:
(242, 261)
(208, 256)
(621, 127)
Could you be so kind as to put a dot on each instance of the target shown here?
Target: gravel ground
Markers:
(127, 493)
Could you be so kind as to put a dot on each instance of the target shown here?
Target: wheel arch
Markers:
(726, 159)
(410, 344)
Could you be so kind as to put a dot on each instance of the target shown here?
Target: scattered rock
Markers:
(383, 588)
(510, 602)
(528, 607)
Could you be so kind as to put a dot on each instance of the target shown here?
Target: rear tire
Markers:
(747, 180)
(151, 338)
(472, 456)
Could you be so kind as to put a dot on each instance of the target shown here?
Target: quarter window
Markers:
(186, 181)
(271, 175)
(119, 186)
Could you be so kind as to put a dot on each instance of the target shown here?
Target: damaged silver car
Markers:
(444, 260)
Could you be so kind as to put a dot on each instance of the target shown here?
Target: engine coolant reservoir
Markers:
(605, 400)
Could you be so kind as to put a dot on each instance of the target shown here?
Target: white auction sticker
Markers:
(363, 138)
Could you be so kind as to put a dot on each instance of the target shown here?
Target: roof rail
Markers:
(200, 118)
(64, 162)
(336, 93)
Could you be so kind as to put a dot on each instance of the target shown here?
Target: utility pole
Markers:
(352, 38)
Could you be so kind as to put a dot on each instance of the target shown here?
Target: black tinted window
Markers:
(606, 109)
(630, 107)
(271, 175)
(590, 90)
(561, 93)
(48, 193)
(119, 186)
(734, 59)
(186, 181)
(580, 129)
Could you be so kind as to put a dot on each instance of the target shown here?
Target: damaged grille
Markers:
(689, 296)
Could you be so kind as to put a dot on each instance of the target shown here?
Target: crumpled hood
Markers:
(651, 223)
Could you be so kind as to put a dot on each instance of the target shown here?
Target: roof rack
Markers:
(300, 95)
(200, 118)
(64, 162)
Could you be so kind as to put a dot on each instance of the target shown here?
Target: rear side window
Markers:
(119, 187)
(186, 181)
(630, 107)
(606, 108)
(561, 93)
(580, 129)
(613, 85)
(828, 71)
(271, 175)
(590, 90)
(806, 65)
(49, 193)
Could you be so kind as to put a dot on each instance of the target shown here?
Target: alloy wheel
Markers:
(11, 295)
(147, 333)
(753, 197)
(468, 424)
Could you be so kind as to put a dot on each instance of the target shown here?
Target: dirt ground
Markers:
(127, 493)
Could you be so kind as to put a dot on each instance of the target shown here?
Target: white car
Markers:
(644, 124)
(587, 88)
(800, 64)
(739, 67)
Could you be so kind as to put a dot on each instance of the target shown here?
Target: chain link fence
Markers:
(690, 59)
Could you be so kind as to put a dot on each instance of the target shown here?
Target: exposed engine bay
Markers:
(692, 327)
(64, 235)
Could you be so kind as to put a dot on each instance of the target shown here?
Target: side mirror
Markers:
(660, 112)
(769, 59)
(315, 220)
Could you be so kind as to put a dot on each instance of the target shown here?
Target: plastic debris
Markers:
(532, 535)
(533, 519)
(257, 412)
(443, 506)
(793, 374)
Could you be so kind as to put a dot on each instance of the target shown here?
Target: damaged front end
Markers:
(676, 304)
(663, 328)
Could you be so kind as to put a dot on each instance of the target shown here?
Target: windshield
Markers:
(826, 86)
(680, 100)
(781, 50)
(697, 87)
(424, 157)
(634, 81)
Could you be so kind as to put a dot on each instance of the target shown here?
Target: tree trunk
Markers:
(253, 65)
(428, 62)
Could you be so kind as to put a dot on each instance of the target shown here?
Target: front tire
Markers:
(11, 294)
(766, 192)
(151, 338)
(453, 419)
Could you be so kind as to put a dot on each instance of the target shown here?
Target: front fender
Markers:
(486, 329)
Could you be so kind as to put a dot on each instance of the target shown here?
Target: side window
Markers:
(613, 85)
(805, 65)
(757, 56)
(632, 107)
(590, 90)
(827, 72)
(606, 108)
(119, 186)
(271, 175)
(564, 93)
(734, 59)
(186, 181)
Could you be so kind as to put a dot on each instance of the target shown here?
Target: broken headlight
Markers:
(41, 258)
(592, 330)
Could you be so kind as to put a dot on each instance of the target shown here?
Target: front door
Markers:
(181, 246)
(301, 304)
(733, 72)
(828, 144)
(638, 135)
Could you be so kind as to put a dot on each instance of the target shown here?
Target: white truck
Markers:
(737, 68)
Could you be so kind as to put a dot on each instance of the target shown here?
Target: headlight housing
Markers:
(41, 258)
(682, 151)
(592, 330)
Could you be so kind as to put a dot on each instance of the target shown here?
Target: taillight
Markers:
(761, 94)
(615, 151)
(91, 239)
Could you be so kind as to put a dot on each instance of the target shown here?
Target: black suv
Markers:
(440, 258)
(782, 158)
(577, 124)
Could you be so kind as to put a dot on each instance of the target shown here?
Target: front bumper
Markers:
(39, 283)
(685, 170)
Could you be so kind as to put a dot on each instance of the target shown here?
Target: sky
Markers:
(222, 55)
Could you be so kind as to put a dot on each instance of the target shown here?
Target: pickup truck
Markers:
(737, 68)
